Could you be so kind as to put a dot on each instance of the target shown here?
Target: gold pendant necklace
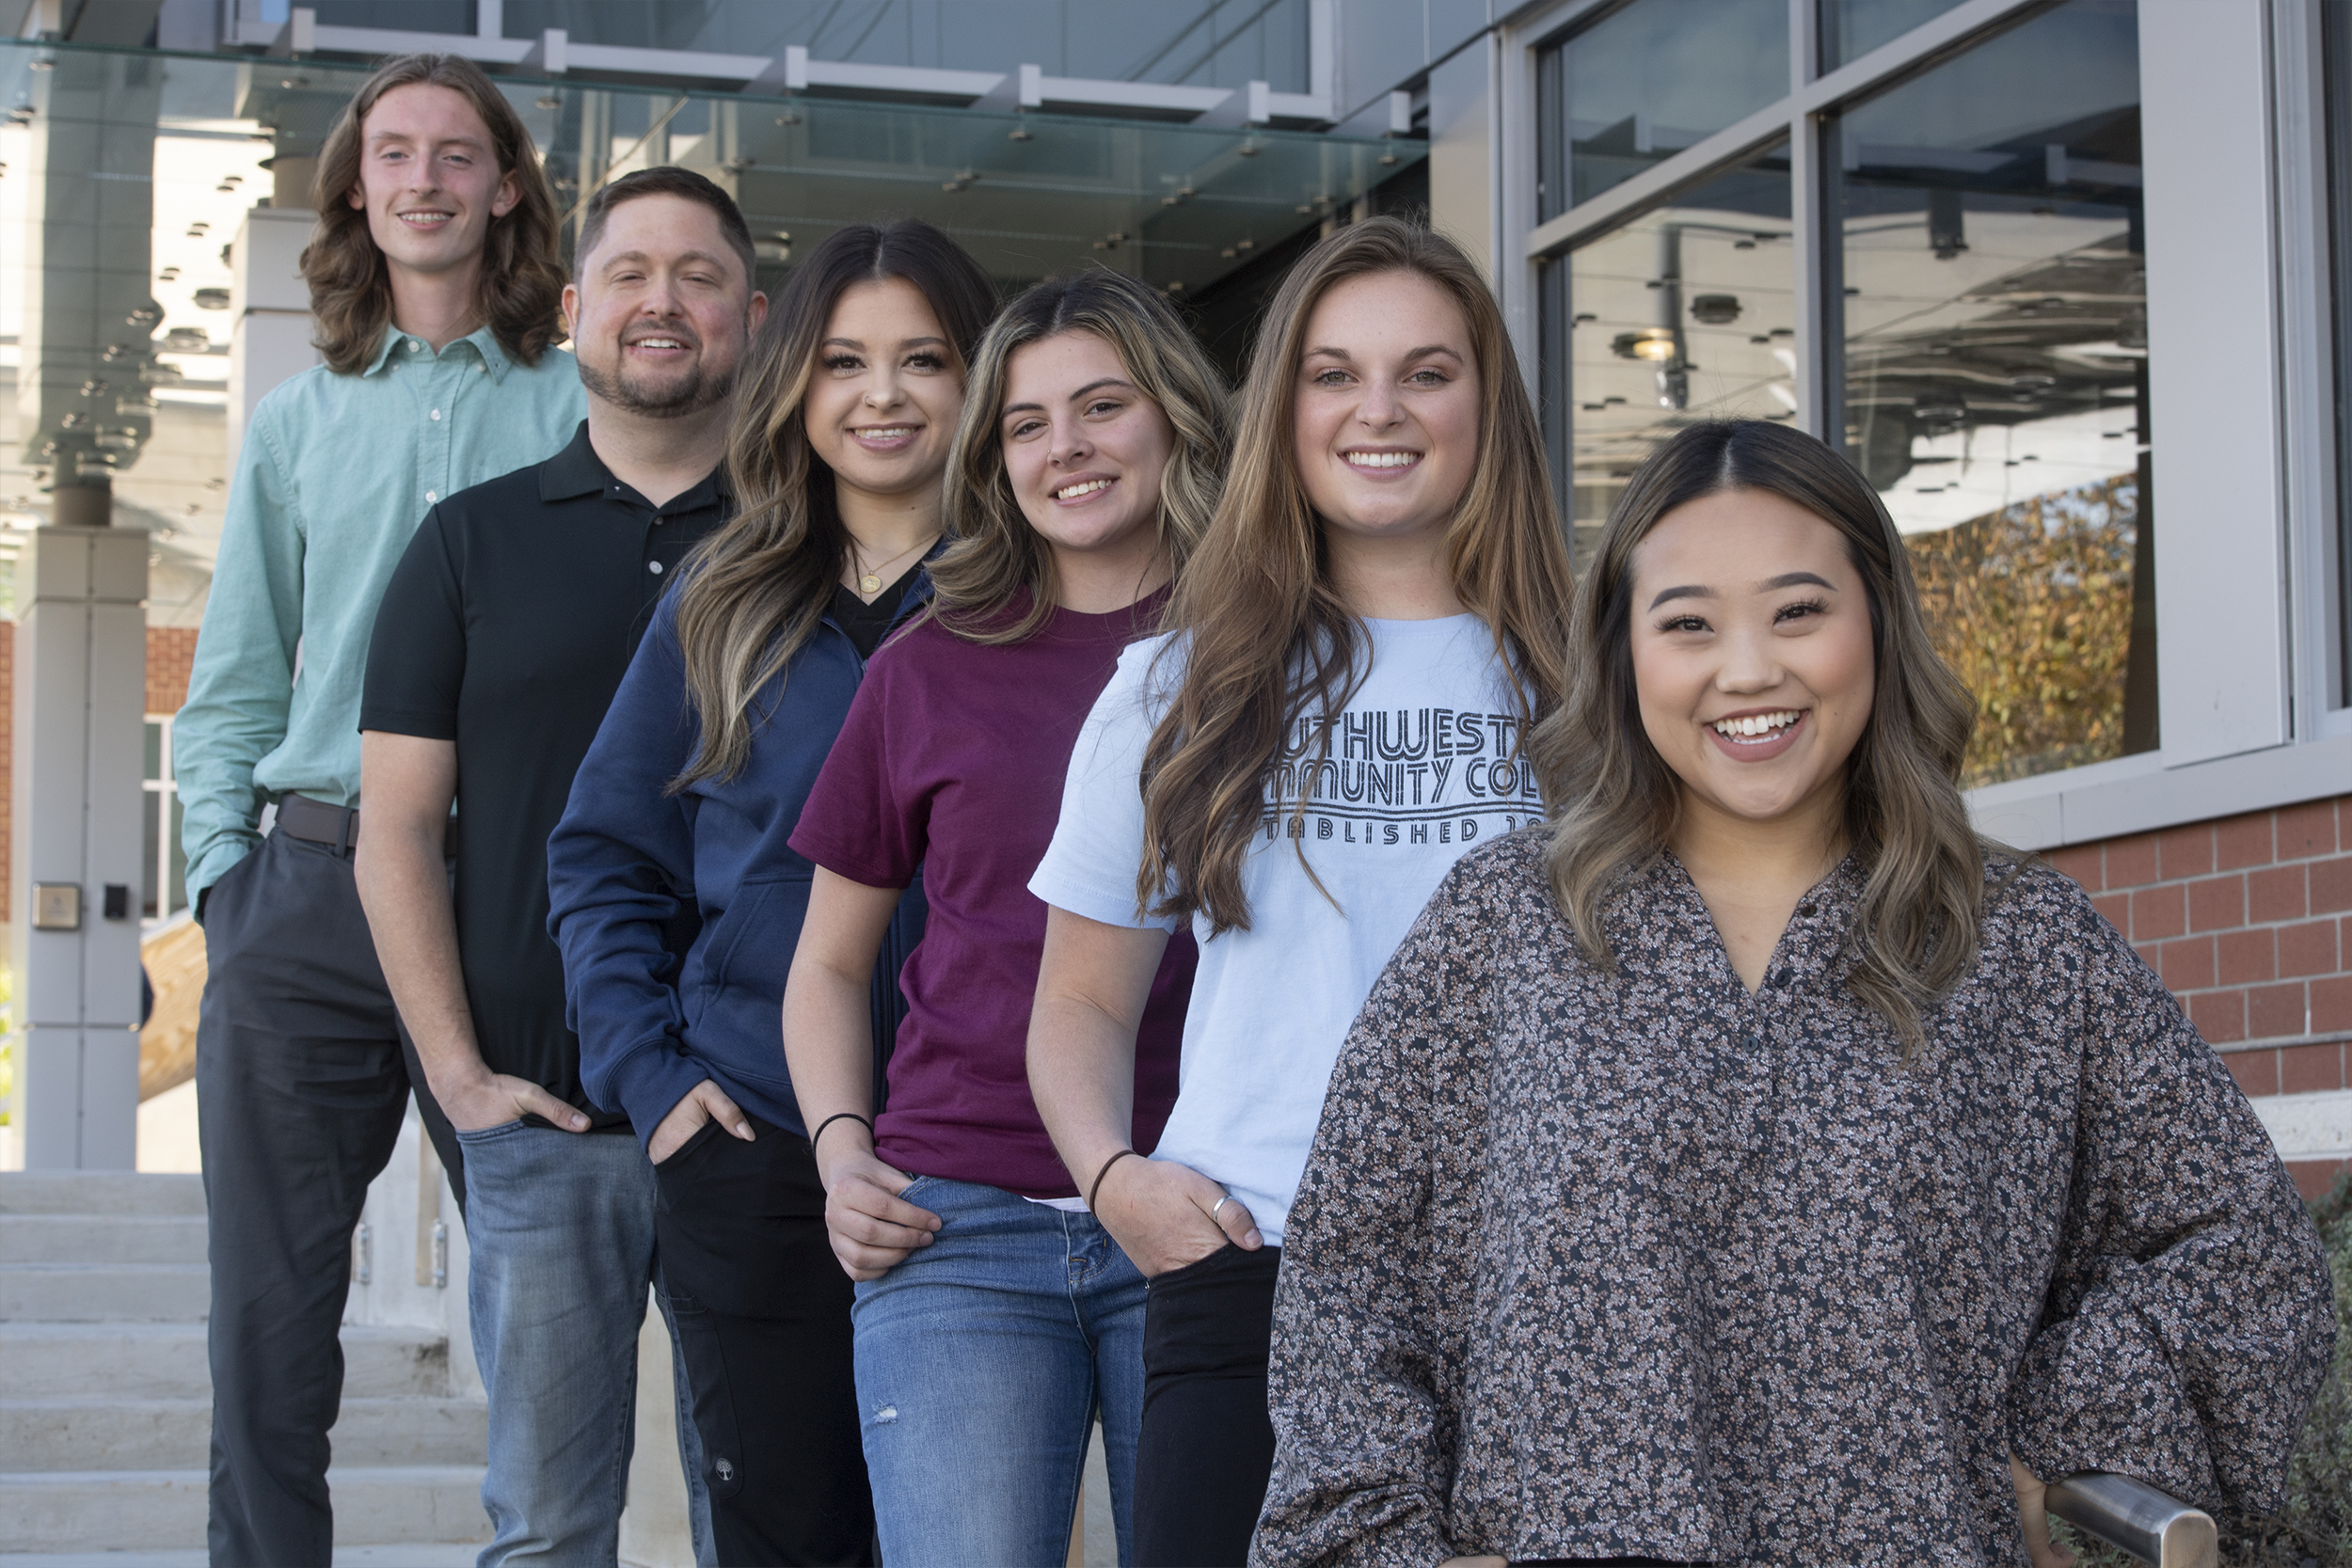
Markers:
(869, 583)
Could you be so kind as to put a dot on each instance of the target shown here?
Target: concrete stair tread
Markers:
(86, 1191)
(67, 1435)
(150, 1510)
(116, 1239)
(409, 1555)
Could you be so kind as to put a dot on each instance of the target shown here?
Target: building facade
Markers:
(2069, 279)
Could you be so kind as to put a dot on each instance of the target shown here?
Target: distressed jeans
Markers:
(560, 1227)
(981, 1363)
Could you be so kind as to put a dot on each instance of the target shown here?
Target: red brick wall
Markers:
(2249, 920)
(170, 652)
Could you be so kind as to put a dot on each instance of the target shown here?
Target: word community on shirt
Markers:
(1411, 776)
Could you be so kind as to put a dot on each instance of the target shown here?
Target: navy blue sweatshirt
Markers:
(628, 866)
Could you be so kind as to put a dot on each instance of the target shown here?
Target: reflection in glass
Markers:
(1686, 313)
(1647, 81)
(1851, 29)
(1994, 295)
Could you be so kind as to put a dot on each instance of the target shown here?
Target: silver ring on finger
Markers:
(1219, 1205)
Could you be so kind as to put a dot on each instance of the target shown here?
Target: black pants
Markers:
(1207, 1448)
(301, 1080)
(762, 1313)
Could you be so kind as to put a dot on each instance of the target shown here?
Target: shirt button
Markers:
(437, 413)
(654, 566)
(432, 495)
(415, 347)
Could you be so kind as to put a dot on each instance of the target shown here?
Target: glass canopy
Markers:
(127, 177)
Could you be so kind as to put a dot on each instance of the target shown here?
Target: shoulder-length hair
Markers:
(1268, 637)
(1616, 802)
(996, 554)
(754, 590)
(522, 266)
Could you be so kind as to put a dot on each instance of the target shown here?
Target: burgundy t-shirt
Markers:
(952, 760)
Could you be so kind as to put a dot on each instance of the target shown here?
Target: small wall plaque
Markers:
(56, 907)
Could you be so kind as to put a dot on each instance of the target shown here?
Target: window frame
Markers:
(2275, 725)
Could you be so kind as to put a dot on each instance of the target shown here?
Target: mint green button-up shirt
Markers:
(335, 474)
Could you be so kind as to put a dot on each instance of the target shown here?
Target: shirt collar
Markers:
(577, 471)
(483, 342)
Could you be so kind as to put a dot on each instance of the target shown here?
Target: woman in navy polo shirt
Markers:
(677, 900)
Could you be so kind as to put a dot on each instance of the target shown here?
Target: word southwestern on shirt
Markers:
(1379, 776)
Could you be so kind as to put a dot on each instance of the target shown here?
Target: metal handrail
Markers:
(2133, 1517)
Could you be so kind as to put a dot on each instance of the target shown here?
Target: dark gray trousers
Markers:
(301, 1079)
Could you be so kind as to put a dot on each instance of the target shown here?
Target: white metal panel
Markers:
(2214, 365)
(1463, 157)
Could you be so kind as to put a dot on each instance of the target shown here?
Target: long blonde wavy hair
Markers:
(522, 268)
(1268, 638)
(996, 554)
(754, 590)
(1616, 801)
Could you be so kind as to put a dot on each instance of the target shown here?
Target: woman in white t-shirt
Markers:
(1376, 617)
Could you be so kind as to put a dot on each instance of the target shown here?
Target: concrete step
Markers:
(407, 1556)
(102, 1238)
(105, 1292)
(168, 1361)
(99, 1192)
(167, 1435)
(150, 1510)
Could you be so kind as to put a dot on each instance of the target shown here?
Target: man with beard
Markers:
(501, 640)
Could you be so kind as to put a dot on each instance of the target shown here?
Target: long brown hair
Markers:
(1616, 801)
(754, 590)
(996, 554)
(1269, 638)
(522, 268)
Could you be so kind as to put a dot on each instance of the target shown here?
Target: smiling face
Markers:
(885, 391)
(1084, 449)
(662, 311)
(429, 179)
(1753, 656)
(1384, 420)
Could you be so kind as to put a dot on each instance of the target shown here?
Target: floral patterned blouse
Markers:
(1588, 1266)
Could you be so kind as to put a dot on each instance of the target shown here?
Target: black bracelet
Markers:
(837, 1115)
(1104, 1172)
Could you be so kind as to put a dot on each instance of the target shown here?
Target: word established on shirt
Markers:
(1376, 777)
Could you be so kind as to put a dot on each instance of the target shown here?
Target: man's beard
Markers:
(690, 395)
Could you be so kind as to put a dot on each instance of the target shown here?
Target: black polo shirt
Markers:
(506, 628)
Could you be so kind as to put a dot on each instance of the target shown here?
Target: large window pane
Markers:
(1686, 313)
(1649, 79)
(1851, 29)
(1994, 296)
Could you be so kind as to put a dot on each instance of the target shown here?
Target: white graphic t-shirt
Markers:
(1424, 763)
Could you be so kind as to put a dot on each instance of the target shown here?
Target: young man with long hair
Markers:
(434, 280)
(500, 643)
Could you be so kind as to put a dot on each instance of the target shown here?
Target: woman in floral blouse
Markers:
(1754, 1165)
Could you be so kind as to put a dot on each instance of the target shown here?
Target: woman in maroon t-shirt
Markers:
(995, 1316)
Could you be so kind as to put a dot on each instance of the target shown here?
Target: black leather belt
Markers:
(337, 827)
(316, 822)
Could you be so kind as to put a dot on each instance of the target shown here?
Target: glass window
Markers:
(1688, 312)
(2337, 43)
(1647, 81)
(1996, 379)
(1851, 29)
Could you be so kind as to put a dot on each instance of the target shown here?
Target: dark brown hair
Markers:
(668, 179)
(1616, 801)
(351, 288)
(754, 590)
(997, 553)
(1269, 638)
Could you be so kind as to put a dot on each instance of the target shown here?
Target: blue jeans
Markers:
(981, 1362)
(560, 1227)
